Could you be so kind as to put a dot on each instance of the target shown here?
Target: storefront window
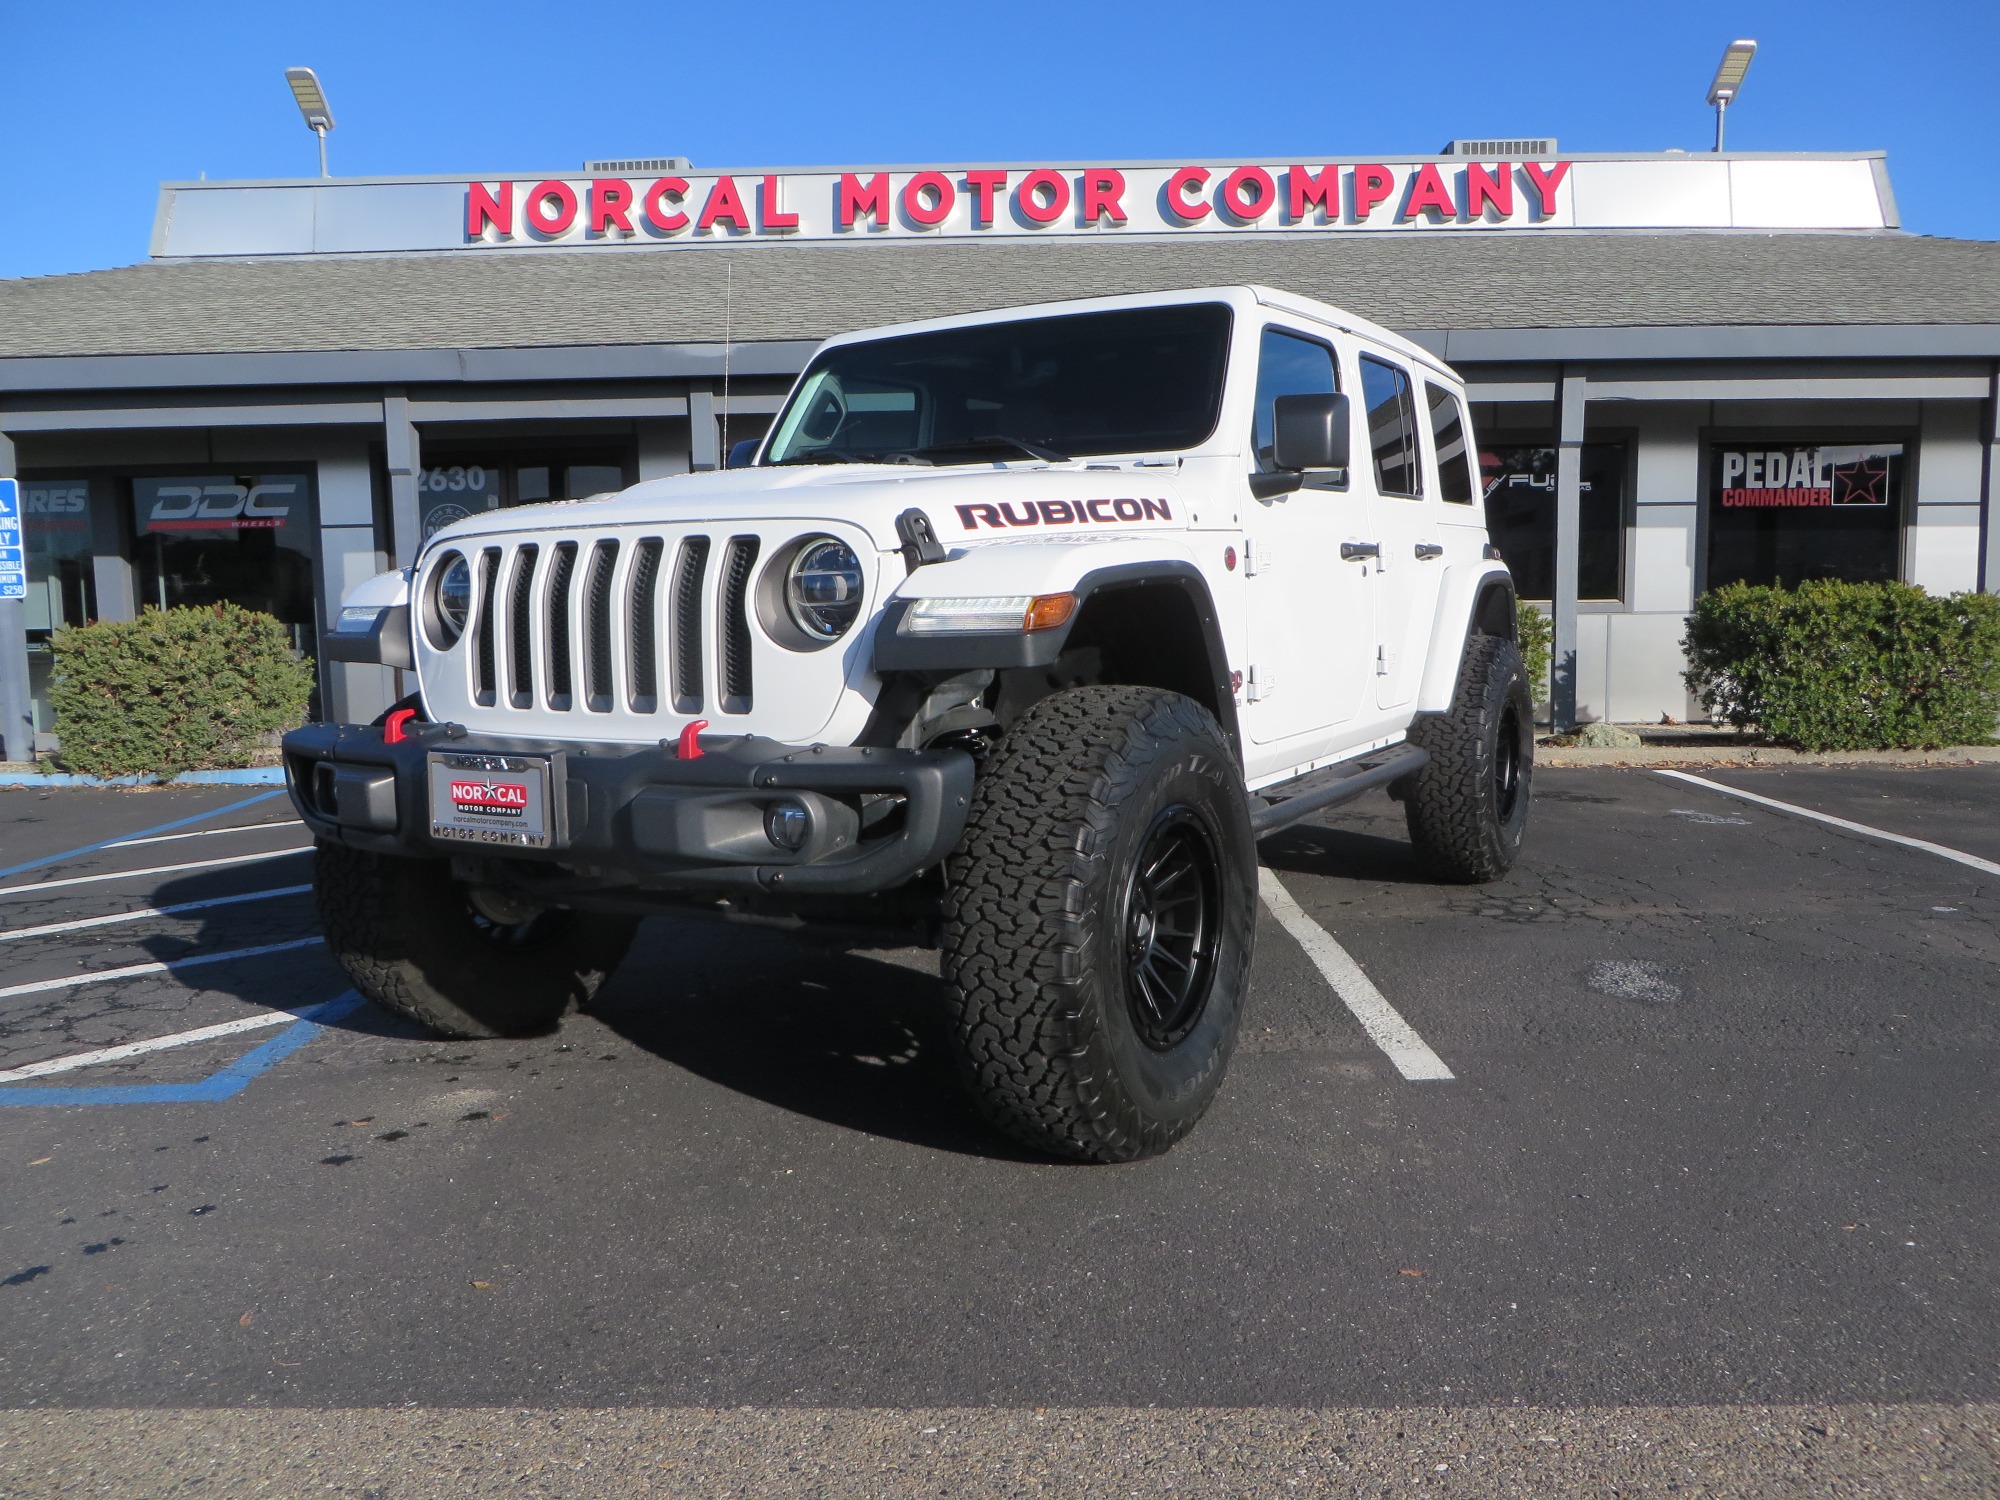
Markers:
(56, 525)
(456, 485)
(1520, 486)
(242, 538)
(1783, 512)
(451, 492)
(58, 522)
(534, 482)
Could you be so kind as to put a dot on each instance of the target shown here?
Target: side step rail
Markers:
(1276, 807)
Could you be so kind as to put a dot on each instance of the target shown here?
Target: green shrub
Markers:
(174, 690)
(1537, 635)
(1848, 666)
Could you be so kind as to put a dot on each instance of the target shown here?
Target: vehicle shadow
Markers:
(293, 979)
(1342, 854)
(811, 1027)
(841, 1036)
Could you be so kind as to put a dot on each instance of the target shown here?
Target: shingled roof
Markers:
(530, 299)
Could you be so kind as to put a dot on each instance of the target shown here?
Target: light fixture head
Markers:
(311, 97)
(1729, 72)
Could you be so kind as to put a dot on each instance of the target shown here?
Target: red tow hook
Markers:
(392, 727)
(690, 745)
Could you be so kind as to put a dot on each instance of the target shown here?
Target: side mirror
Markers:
(741, 453)
(1309, 432)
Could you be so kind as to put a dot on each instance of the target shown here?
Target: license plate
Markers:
(490, 799)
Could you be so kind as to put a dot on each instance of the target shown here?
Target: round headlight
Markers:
(451, 600)
(823, 590)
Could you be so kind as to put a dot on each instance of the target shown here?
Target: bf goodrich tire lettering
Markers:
(1039, 928)
(1467, 809)
(410, 941)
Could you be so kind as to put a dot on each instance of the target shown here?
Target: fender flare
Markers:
(1474, 602)
(971, 650)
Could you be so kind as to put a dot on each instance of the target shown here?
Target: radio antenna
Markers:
(728, 310)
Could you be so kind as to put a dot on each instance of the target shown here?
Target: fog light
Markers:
(787, 825)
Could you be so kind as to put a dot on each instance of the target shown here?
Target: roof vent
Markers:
(640, 164)
(1525, 146)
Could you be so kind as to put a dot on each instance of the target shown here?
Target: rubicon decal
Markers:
(504, 799)
(1062, 513)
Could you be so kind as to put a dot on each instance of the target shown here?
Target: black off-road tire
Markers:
(411, 941)
(1056, 938)
(1468, 808)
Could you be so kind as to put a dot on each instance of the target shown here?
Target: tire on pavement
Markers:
(1468, 808)
(462, 963)
(1099, 918)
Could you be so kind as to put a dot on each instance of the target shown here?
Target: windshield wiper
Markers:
(998, 440)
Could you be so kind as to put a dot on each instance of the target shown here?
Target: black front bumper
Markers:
(644, 817)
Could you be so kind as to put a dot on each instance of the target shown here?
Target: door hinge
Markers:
(1381, 661)
(1257, 558)
(1261, 684)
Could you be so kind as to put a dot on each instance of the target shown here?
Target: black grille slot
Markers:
(520, 619)
(597, 626)
(489, 579)
(737, 562)
(561, 568)
(643, 625)
(690, 572)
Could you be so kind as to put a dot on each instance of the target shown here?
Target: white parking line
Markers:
(200, 864)
(168, 966)
(49, 928)
(1861, 828)
(77, 1060)
(1385, 1027)
(203, 833)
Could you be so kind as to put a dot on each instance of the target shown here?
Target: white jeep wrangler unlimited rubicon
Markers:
(1016, 631)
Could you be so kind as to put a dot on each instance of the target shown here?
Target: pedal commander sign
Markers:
(1806, 478)
(656, 204)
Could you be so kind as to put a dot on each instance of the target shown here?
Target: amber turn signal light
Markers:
(1047, 611)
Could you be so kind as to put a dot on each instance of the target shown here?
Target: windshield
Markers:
(1141, 380)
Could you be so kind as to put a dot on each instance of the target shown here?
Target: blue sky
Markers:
(100, 103)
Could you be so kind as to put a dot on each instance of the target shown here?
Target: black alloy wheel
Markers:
(1170, 918)
(1507, 764)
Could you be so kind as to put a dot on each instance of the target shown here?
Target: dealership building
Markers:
(1685, 369)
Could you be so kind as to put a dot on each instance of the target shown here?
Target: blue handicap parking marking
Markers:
(224, 1084)
(119, 838)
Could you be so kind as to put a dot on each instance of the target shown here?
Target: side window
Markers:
(1287, 365)
(1448, 437)
(1392, 427)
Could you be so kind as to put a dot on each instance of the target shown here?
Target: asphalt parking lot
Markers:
(1719, 1134)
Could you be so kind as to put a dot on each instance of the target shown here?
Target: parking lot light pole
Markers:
(1729, 80)
(312, 104)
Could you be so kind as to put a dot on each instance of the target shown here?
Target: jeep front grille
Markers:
(735, 624)
(611, 626)
(689, 574)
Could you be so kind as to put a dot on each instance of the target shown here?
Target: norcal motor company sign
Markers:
(1032, 200)
(349, 216)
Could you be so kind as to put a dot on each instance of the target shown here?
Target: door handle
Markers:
(1428, 550)
(1350, 551)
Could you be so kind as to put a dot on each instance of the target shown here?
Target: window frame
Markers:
(1413, 447)
(1468, 451)
(1336, 479)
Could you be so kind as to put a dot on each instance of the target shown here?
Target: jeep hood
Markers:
(964, 503)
